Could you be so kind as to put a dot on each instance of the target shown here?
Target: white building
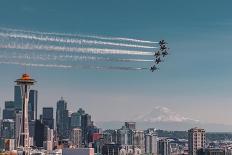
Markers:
(75, 137)
(196, 140)
(151, 142)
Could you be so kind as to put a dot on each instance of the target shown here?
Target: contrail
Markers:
(79, 66)
(27, 46)
(35, 65)
(118, 68)
(72, 41)
(83, 36)
(70, 58)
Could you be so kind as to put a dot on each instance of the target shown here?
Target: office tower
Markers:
(75, 120)
(130, 125)
(8, 129)
(138, 140)
(62, 120)
(18, 125)
(110, 136)
(47, 117)
(196, 140)
(33, 102)
(48, 138)
(85, 123)
(25, 82)
(9, 111)
(32, 129)
(163, 147)
(48, 134)
(17, 97)
(151, 142)
(39, 138)
(124, 136)
(76, 137)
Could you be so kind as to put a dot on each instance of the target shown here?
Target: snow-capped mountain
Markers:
(162, 114)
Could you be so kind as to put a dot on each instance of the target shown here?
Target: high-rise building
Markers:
(130, 125)
(164, 147)
(47, 117)
(48, 138)
(62, 119)
(138, 140)
(196, 140)
(32, 103)
(75, 120)
(9, 111)
(151, 142)
(76, 137)
(110, 136)
(39, 138)
(85, 123)
(124, 136)
(8, 129)
(17, 97)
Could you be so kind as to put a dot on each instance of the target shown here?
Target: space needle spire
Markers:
(25, 82)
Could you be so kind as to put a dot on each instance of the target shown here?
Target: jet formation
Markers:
(160, 54)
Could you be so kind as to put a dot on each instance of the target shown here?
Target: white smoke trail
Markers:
(79, 66)
(70, 58)
(119, 68)
(27, 46)
(118, 39)
(35, 65)
(72, 41)
(84, 36)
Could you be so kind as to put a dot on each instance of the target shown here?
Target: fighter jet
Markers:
(153, 68)
(164, 53)
(162, 42)
(158, 60)
(157, 54)
(163, 47)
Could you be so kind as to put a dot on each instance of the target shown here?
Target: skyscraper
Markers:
(138, 140)
(8, 129)
(151, 142)
(17, 97)
(124, 136)
(39, 138)
(85, 123)
(62, 120)
(130, 125)
(75, 137)
(196, 140)
(75, 120)
(33, 101)
(47, 117)
(9, 111)
(164, 147)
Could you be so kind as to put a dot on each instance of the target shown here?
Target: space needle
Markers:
(25, 82)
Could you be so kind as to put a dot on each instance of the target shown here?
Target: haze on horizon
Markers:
(194, 81)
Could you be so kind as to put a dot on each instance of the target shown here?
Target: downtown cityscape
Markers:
(23, 132)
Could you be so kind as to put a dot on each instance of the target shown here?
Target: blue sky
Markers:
(196, 74)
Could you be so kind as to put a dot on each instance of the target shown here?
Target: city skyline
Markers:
(196, 74)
